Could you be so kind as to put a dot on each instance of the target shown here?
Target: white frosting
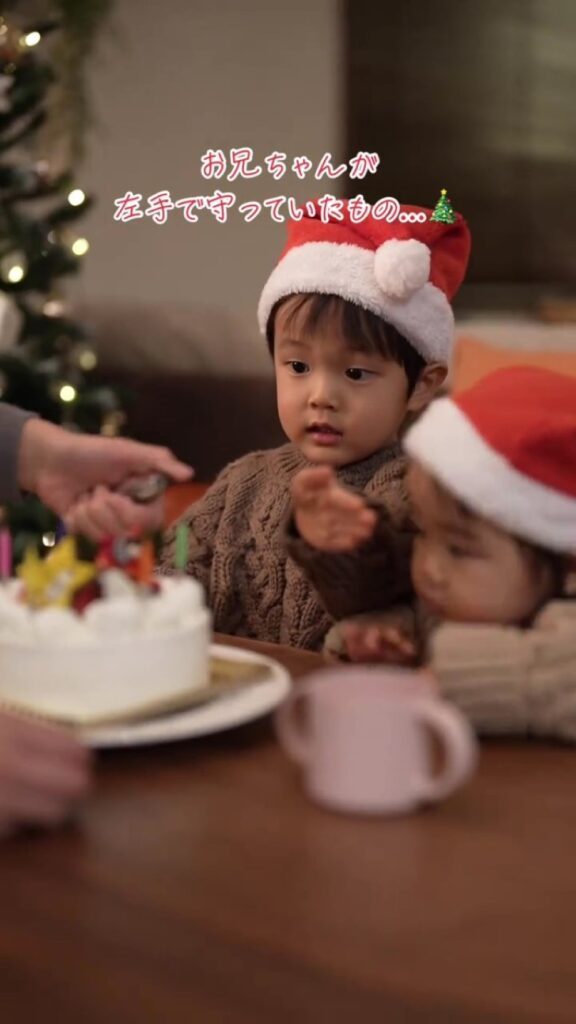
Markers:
(55, 627)
(124, 613)
(125, 650)
(15, 619)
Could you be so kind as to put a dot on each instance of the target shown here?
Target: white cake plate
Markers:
(222, 713)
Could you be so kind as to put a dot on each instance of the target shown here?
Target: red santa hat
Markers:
(406, 271)
(506, 447)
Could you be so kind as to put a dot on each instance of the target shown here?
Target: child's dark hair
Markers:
(554, 562)
(361, 329)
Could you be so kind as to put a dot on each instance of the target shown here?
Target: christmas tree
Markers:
(46, 358)
(443, 211)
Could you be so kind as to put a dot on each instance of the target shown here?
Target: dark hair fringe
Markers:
(361, 329)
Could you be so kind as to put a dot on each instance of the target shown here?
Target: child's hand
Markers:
(104, 513)
(43, 773)
(372, 643)
(328, 516)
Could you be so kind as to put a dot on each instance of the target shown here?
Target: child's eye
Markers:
(357, 373)
(297, 366)
(459, 552)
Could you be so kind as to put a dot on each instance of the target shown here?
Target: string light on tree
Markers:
(53, 307)
(67, 393)
(13, 267)
(80, 246)
(15, 274)
(31, 39)
(76, 197)
(85, 358)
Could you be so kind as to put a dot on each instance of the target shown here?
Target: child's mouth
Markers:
(324, 433)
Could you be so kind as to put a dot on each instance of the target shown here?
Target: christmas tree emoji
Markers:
(443, 211)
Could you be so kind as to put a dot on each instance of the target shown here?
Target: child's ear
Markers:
(429, 382)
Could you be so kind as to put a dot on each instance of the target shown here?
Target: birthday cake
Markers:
(82, 641)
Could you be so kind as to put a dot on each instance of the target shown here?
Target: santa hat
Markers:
(507, 448)
(406, 271)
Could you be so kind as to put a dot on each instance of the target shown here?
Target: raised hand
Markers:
(327, 515)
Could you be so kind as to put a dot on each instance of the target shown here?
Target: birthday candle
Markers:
(5, 554)
(181, 552)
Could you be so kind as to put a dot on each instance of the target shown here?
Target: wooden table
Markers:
(201, 886)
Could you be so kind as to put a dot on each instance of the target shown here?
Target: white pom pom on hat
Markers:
(401, 267)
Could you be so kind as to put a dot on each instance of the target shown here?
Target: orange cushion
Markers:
(473, 359)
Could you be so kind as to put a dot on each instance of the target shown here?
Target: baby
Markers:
(492, 485)
(358, 320)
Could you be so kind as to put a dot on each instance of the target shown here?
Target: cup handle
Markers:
(291, 736)
(459, 743)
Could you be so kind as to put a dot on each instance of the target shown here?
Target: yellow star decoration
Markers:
(54, 580)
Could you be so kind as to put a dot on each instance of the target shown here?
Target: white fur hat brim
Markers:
(425, 318)
(445, 443)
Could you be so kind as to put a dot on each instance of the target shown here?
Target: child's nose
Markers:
(322, 393)
(432, 568)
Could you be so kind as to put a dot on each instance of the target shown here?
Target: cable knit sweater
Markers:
(261, 580)
(509, 680)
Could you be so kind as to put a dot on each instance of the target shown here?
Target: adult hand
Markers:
(44, 772)
(73, 474)
(327, 515)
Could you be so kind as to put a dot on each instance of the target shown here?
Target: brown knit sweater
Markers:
(510, 680)
(262, 581)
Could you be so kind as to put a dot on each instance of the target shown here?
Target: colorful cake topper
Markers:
(53, 581)
(132, 555)
(64, 580)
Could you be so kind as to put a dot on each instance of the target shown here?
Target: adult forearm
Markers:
(12, 423)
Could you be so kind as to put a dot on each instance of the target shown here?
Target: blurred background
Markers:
(477, 98)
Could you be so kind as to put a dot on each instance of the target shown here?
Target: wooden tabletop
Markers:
(201, 886)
